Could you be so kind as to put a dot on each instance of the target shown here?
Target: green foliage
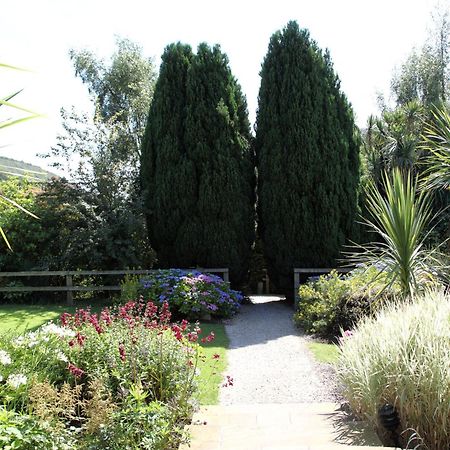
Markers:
(393, 140)
(437, 143)
(307, 155)
(137, 425)
(196, 164)
(191, 294)
(130, 288)
(24, 432)
(124, 378)
(75, 230)
(401, 218)
(402, 357)
(425, 75)
(335, 302)
(107, 149)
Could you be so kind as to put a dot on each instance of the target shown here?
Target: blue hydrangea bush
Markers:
(191, 294)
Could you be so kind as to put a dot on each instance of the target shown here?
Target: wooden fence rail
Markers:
(299, 272)
(69, 274)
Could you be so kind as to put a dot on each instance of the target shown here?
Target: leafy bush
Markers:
(336, 301)
(21, 431)
(190, 294)
(402, 357)
(124, 378)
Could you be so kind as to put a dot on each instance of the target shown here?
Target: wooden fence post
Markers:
(226, 276)
(69, 283)
(296, 286)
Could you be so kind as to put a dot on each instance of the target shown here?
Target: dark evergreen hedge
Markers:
(307, 149)
(197, 170)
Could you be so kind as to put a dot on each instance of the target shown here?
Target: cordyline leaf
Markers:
(7, 66)
(11, 122)
(400, 218)
(16, 205)
(2, 233)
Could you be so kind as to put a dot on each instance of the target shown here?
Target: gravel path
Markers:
(269, 361)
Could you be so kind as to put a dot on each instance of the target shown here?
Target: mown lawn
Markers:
(20, 318)
(211, 370)
(326, 353)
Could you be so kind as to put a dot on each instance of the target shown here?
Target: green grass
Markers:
(211, 370)
(21, 318)
(325, 353)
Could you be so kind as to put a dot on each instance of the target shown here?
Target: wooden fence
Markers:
(299, 272)
(69, 274)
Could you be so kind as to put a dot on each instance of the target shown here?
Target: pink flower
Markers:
(229, 382)
(76, 371)
(122, 352)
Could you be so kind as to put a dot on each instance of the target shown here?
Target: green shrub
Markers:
(25, 432)
(402, 357)
(336, 302)
(191, 294)
(130, 288)
(126, 375)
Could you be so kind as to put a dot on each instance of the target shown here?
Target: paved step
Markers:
(295, 426)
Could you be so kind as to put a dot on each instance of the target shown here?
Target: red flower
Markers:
(216, 356)
(150, 310)
(165, 314)
(192, 337)
(76, 371)
(80, 339)
(65, 318)
(122, 352)
(229, 382)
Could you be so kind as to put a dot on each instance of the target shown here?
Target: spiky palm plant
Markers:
(436, 140)
(6, 101)
(401, 218)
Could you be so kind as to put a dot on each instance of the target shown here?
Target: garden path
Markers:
(268, 358)
(281, 399)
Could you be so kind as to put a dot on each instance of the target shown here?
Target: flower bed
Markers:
(124, 378)
(190, 294)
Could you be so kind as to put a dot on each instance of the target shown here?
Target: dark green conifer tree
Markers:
(307, 150)
(167, 173)
(209, 185)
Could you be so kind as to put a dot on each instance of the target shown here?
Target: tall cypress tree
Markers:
(167, 173)
(307, 151)
(214, 224)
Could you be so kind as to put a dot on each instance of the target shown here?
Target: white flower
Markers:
(51, 328)
(1, 378)
(61, 356)
(16, 379)
(5, 359)
(19, 341)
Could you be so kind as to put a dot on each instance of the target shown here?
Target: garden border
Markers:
(69, 274)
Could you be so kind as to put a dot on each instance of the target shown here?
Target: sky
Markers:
(367, 41)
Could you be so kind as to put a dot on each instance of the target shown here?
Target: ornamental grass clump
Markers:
(402, 357)
(124, 378)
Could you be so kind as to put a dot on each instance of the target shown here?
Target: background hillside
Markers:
(12, 167)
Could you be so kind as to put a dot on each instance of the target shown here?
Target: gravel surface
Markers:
(269, 361)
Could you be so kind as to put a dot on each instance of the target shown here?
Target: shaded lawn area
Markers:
(21, 318)
(325, 353)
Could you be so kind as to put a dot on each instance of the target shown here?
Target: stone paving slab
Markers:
(298, 426)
